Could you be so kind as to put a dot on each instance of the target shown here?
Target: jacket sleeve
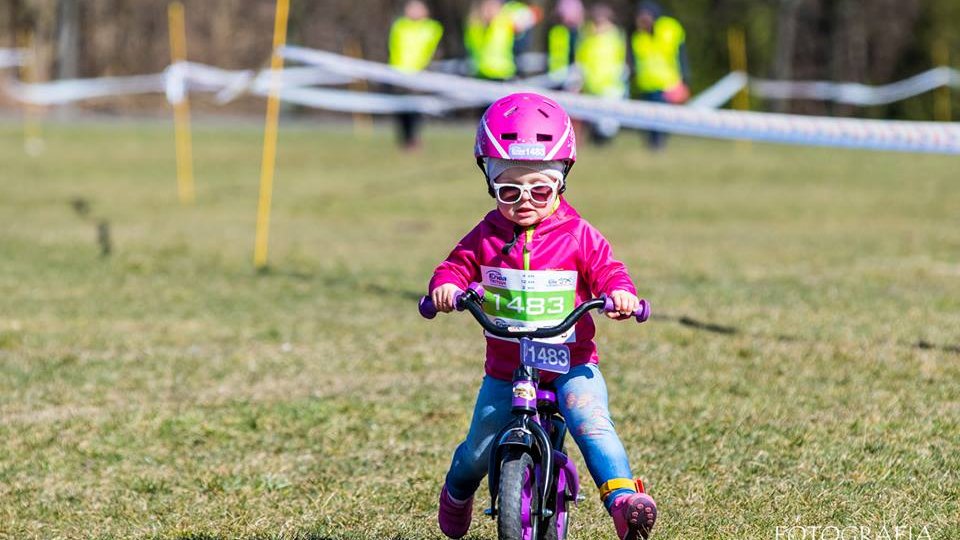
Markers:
(603, 273)
(460, 267)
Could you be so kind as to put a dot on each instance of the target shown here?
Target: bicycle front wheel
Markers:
(518, 490)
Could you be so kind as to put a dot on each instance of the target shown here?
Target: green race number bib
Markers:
(531, 298)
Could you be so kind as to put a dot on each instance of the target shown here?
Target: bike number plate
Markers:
(545, 356)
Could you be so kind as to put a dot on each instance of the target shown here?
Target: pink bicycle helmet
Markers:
(526, 127)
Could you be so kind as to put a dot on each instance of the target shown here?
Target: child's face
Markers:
(528, 210)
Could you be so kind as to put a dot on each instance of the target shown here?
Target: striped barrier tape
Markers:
(721, 92)
(848, 93)
(936, 137)
(452, 92)
(529, 62)
(855, 93)
(370, 103)
(69, 90)
(175, 81)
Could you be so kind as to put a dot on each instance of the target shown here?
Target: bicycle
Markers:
(532, 505)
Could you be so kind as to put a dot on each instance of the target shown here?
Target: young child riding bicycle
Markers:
(541, 259)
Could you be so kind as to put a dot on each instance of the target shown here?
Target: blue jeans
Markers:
(582, 397)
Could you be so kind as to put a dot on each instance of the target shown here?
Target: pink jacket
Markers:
(562, 242)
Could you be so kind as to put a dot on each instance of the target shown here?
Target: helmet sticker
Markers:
(522, 151)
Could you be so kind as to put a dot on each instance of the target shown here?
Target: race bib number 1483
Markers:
(536, 296)
(545, 356)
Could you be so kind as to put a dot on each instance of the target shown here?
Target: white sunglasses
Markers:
(540, 193)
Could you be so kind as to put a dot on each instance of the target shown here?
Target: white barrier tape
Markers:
(301, 76)
(855, 93)
(531, 62)
(844, 132)
(185, 77)
(721, 92)
(296, 77)
(848, 93)
(369, 103)
(175, 81)
(68, 90)
(461, 92)
(12, 58)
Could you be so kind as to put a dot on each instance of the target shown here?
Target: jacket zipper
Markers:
(528, 237)
(526, 249)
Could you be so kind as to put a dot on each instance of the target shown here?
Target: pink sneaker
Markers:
(634, 516)
(454, 517)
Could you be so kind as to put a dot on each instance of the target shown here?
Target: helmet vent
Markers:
(508, 136)
(510, 111)
(544, 113)
(541, 137)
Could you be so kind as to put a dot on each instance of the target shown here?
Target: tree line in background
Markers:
(867, 41)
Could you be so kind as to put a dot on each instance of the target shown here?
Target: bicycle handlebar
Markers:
(472, 298)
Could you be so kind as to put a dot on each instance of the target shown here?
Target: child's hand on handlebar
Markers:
(624, 304)
(444, 297)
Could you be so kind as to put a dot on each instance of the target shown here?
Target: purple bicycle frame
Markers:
(529, 429)
(538, 433)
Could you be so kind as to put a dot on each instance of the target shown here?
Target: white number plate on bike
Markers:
(545, 356)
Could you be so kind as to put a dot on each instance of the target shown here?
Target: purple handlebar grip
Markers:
(426, 307)
(429, 311)
(642, 313)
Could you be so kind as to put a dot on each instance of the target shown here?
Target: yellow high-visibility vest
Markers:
(413, 42)
(603, 58)
(491, 47)
(656, 56)
(558, 48)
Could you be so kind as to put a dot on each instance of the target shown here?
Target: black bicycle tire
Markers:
(509, 511)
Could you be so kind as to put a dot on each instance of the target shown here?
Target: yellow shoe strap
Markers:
(614, 484)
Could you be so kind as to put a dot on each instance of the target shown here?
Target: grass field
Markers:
(169, 391)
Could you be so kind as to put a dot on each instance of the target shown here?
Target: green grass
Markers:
(169, 391)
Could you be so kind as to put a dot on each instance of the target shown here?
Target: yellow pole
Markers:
(738, 62)
(362, 123)
(270, 137)
(181, 109)
(737, 45)
(32, 128)
(942, 97)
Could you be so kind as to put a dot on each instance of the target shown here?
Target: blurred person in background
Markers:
(525, 18)
(495, 35)
(413, 42)
(562, 41)
(602, 57)
(660, 68)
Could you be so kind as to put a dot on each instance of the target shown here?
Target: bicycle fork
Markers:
(524, 433)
